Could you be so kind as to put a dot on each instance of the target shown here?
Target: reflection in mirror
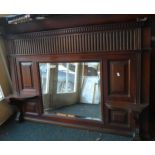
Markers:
(71, 89)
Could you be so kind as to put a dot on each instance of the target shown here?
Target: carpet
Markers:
(35, 131)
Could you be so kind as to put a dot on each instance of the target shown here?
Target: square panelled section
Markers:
(120, 82)
(118, 117)
(31, 107)
(119, 72)
(28, 85)
(26, 75)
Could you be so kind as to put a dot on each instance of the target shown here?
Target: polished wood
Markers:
(136, 110)
(27, 78)
(122, 46)
(96, 38)
(118, 116)
(120, 73)
(19, 101)
(65, 21)
(118, 77)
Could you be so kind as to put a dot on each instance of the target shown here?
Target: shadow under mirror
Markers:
(71, 89)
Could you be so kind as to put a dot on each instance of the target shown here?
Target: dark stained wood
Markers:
(118, 77)
(120, 43)
(136, 110)
(120, 83)
(19, 101)
(146, 75)
(146, 43)
(118, 117)
(33, 106)
(113, 37)
(65, 21)
(26, 78)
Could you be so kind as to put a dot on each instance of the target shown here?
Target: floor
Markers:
(34, 131)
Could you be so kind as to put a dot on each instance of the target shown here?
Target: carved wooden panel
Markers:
(31, 108)
(27, 77)
(99, 38)
(120, 83)
(119, 72)
(118, 117)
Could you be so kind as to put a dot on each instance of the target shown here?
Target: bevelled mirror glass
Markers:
(71, 89)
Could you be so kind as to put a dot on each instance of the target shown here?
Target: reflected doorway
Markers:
(71, 89)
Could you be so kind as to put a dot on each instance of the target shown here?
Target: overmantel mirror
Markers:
(71, 89)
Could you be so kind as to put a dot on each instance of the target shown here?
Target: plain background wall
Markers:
(5, 82)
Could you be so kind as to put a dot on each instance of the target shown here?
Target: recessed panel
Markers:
(120, 80)
(31, 107)
(118, 117)
(26, 75)
(119, 77)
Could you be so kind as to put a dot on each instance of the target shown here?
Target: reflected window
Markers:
(71, 89)
(44, 78)
(67, 77)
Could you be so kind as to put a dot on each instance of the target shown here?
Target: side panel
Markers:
(120, 84)
(120, 88)
(28, 81)
(119, 72)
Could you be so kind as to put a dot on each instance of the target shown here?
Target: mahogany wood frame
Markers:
(123, 46)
